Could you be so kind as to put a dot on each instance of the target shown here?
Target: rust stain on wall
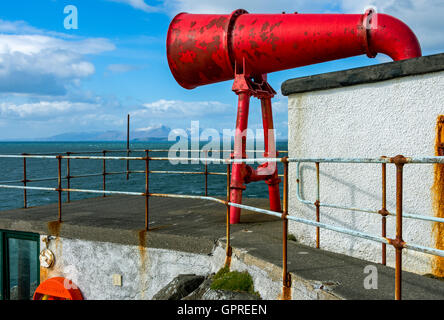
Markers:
(54, 228)
(438, 198)
(142, 255)
(286, 294)
(43, 274)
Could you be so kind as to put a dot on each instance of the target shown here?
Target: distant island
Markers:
(158, 133)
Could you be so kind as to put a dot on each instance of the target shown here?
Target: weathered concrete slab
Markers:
(197, 226)
(179, 224)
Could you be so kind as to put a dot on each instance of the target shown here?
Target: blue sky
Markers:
(54, 80)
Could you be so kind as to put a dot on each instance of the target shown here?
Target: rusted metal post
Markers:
(25, 196)
(384, 213)
(206, 173)
(104, 173)
(68, 177)
(228, 245)
(398, 243)
(59, 187)
(286, 276)
(127, 146)
(147, 189)
(317, 204)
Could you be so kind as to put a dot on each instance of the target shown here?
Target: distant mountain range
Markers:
(156, 133)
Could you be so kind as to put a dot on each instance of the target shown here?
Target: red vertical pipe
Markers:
(270, 151)
(237, 176)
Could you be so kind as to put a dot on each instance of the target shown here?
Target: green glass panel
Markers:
(23, 266)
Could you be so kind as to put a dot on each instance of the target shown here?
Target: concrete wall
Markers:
(91, 265)
(396, 116)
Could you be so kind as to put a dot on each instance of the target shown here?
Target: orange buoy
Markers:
(57, 288)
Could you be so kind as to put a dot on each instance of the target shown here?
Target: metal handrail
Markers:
(140, 151)
(398, 243)
(334, 206)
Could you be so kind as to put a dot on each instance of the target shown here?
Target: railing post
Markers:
(384, 213)
(104, 173)
(25, 197)
(228, 244)
(286, 275)
(206, 173)
(68, 177)
(59, 187)
(147, 189)
(127, 147)
(398, 243)
(127, 165)
(317, 204)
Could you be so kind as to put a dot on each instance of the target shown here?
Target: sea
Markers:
(11, 169)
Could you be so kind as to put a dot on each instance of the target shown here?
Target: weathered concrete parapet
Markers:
(365, 75)
(380, 110)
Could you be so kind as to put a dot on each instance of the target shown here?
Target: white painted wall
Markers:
(369, 120)
(91, 265)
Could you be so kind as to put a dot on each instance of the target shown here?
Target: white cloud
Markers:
(43, 109)
(253, 6)
(17, 27)
(121, 68)
(43, 64)
(177, 108)
(157, 126)
(138, 4)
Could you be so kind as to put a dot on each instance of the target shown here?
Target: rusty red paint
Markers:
(204, 36)
(245, 87)
(204, 48)
(208, 48)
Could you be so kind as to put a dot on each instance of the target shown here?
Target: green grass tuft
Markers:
(291, 237)
(233, 281)
(222, 271)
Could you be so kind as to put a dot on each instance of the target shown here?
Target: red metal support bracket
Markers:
(245, 87)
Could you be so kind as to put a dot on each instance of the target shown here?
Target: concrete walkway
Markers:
(196, 226)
